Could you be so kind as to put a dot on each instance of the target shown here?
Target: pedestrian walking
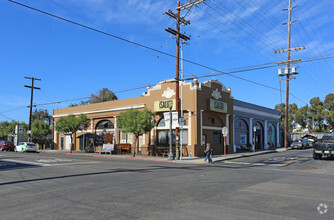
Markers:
(208, 153)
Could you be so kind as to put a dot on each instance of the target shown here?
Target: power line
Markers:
(254, 32)
(146, 47)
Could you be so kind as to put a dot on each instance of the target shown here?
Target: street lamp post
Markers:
(170, 156)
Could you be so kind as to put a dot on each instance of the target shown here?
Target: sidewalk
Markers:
(188, 160)
(232, 156)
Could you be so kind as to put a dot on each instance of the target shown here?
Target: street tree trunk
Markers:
(134, 147)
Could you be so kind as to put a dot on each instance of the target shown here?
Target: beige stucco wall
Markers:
(195, 100)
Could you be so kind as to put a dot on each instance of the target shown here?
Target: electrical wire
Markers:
(253, 31)
(155, 50)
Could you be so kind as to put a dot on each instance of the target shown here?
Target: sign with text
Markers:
(163, 105)
(108, 147)
(218, 106)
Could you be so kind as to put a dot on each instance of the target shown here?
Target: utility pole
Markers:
(31, 99)
(178, 35)
(288, 71)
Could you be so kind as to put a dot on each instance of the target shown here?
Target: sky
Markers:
(74, 62)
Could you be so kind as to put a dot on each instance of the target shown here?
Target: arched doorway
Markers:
(241, 134)
(258, 135)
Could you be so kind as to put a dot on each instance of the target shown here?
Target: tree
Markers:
(7, 129)
(136, 122)
(329, 110)
(71, 124)
(317, 114)
(103, 95)
(40, 131)
(292, 111)
(41, 115)
(302, 116)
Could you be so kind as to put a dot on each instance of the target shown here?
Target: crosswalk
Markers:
(271, 162)
(15, 163)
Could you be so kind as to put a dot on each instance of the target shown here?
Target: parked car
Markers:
(6, 145)
(300, 144)
(311, 142)
(324, 147)
(25, 147)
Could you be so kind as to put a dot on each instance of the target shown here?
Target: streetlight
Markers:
(170, 156)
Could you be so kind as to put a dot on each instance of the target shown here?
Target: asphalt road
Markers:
(287, 185)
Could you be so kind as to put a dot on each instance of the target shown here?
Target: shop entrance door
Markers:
(67, 142)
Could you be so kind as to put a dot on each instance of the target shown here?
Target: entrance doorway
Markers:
(258, 136)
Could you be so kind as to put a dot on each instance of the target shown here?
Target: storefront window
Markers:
(163, 133)
(163, 137)
(125, 138)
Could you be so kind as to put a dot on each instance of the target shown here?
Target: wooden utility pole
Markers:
(178, 35)
(177, 76)
(31, 98)
(288, 72)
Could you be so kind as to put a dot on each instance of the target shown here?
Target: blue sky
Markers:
(74, 62)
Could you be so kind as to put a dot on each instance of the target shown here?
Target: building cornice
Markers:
(102, 110)
(255, 112)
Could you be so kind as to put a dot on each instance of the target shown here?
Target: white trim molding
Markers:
(102, 110)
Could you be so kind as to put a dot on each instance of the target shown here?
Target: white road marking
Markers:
(26, 162)
(46, 164)
(245, 163)
(52, 160)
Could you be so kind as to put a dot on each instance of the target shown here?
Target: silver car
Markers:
(300, 144)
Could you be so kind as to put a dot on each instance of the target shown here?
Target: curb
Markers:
(201, 160)
(185, 161)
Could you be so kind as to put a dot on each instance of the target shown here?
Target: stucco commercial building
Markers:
(207, 108)
(255, 127)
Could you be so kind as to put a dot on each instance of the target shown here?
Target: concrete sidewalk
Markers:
(187, 160)
(216, 158)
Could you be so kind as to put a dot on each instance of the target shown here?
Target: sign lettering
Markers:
(164, 105)
(218, 106)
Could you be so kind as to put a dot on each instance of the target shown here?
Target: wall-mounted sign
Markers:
(163, 105)
(218, 106)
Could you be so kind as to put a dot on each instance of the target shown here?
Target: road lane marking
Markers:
(46, 164)
(245, 163)
(25, 162)
(62, 164)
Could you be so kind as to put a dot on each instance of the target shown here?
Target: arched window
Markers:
(104, 124)
(162, 123)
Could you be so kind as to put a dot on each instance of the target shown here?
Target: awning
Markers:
(88, 135)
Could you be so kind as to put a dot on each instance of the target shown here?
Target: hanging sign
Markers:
(175, 120)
